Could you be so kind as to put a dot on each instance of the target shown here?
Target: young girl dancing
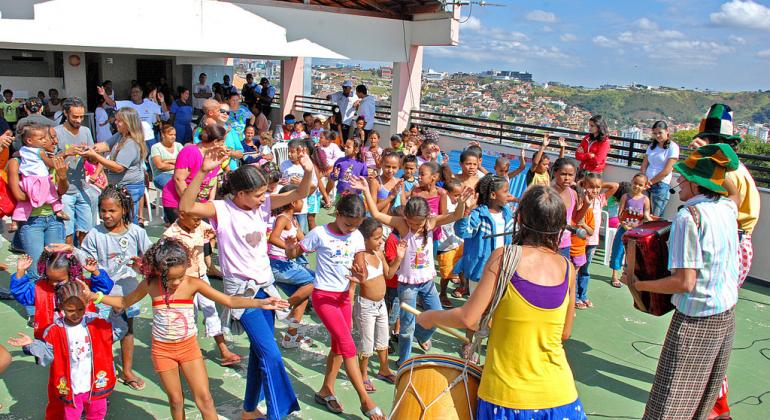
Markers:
(634, 209)
(118, 245)
(336, 245)
(293, 278)
(174, 330)
(78, 347)
(371, 309)
(564, 170)
(526, 373)
(56, 267)
(241, 224)
(195, 234)
(416, 273)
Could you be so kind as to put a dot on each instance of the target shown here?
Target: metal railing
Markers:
(322, 106)
(626, 151)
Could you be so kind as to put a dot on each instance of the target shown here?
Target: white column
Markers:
(292, 83)
(75, 83)
(407, 87)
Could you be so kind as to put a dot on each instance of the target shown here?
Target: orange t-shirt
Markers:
(578, 246)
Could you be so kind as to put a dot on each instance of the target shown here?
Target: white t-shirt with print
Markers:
(334, 257)
(79, 343)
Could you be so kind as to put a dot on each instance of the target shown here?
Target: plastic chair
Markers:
(280, 152)
(609, 236)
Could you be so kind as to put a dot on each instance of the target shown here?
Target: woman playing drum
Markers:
(526, 375)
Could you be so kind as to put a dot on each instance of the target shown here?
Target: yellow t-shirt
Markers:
(748, 211)
(526, 366)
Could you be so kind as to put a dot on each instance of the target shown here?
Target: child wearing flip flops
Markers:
(370, 307)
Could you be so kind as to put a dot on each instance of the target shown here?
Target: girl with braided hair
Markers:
(174, 330)
(118, 245)
(56, 267)
(78, 347)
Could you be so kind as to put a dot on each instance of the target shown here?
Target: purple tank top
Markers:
(543, 297)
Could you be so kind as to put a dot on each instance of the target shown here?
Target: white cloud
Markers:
(541, 16)
(568, 37)
(472, 23)
(764, 54)
(737, 40)
(744, 14)
(604, 42)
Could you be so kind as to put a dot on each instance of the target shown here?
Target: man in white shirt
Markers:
(365, 107)
(344, 101)
(200, 92)
(149, 111)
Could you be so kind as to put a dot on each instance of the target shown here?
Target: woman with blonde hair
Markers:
(126, 151)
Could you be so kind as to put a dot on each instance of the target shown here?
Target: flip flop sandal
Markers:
(133, 384)
(391, 379)
(369, 387)
(376, 411)
(329, 401)
(234, 360)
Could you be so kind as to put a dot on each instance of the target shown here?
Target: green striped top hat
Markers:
(718, 122)
(707, 166)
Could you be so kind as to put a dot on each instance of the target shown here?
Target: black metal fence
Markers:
(624, 150)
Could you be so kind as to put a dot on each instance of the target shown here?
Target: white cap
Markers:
(347, 83)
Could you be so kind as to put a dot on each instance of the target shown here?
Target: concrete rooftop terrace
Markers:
(613, 352)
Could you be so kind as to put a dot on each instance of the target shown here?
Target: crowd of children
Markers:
(401, 216)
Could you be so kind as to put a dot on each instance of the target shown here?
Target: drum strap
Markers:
(508, 266)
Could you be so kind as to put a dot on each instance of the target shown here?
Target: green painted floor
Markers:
(613, 352)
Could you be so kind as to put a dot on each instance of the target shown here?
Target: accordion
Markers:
(647, 257)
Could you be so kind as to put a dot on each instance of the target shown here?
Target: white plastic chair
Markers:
(609, 236)
(280, 152)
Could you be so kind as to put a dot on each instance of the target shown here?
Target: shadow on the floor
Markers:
(592, 370)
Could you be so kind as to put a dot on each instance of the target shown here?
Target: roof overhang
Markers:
(207, 28)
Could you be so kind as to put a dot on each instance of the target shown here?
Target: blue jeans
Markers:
(583, 275)
(137, 192)
(160, 180)
(659, 195)
(618, 250)
(35, 234)
(266, 377)
(408, 293)
(78, 207)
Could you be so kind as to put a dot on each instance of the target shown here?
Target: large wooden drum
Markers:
(435, 387)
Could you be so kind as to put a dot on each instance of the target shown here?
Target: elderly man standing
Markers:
(344, 101)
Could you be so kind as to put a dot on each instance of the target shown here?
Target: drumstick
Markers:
(450, 331)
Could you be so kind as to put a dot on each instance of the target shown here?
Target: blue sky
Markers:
(720, 45)
(706, 44)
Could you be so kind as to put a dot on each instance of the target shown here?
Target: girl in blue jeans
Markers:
(417, 271)
(293, 278)
(241, 225)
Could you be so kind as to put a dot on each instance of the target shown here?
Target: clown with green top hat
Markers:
(703, 261)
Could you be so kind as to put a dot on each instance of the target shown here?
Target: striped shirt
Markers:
(712, 250)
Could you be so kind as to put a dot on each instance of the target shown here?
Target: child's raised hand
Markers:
(92, 266)
(23, 263)
(273, 303)
(359, 183)
(20, 340)
(401, 249)
(214, 158)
